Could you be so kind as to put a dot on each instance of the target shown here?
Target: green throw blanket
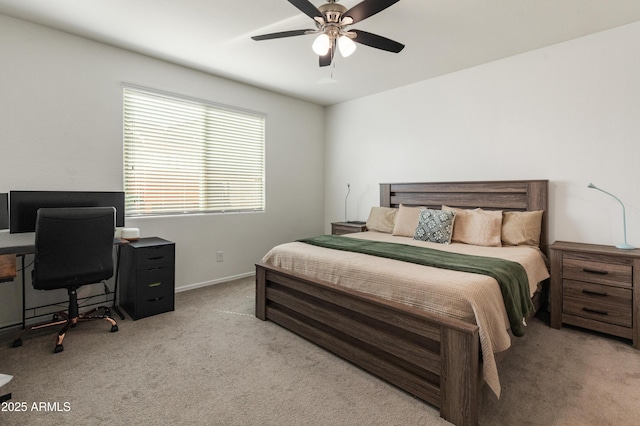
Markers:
(511, 276)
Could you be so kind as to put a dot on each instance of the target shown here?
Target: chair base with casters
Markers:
(69, 320)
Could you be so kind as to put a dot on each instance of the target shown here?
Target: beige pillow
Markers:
(478, 227)
(521, 228)
(382, 219)
(406, 221)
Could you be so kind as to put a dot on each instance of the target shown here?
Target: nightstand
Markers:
(596, 287)
(339, 228)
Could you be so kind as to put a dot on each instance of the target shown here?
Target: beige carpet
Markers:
(211, 362)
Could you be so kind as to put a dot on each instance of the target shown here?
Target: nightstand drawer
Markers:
(599, 302)
(597, 272)
(341, 228)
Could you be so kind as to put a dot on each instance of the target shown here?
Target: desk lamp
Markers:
(345, 202)
(624, 245)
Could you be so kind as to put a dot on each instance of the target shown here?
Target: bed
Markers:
(431, 354)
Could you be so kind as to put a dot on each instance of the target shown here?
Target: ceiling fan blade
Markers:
(281, 34)
(377, 41)
(367, 8)
(325, 60)
(307, 8)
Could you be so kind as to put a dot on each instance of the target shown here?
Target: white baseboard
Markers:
(218, 281)
(13, 325)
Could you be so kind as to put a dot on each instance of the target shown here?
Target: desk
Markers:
(17, 243)
(12, 245)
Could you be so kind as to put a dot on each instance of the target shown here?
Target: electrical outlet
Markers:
(220, 256)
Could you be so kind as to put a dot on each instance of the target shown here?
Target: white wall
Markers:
(569, 113)
(61, 129)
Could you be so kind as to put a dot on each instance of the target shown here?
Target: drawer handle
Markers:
(155, 299)
(157, 268)
(155, 284)
(595, 311)
(594, 293)
(155, 258)
(595, 271)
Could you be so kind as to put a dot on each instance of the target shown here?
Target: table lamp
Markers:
(624, 245)
(345, 202)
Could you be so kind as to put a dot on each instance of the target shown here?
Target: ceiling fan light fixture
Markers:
(346, 46)
(331, 21)
(321, 45)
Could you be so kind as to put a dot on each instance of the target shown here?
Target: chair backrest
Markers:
(74, 246)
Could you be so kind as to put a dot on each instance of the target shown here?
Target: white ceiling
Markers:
(441, 36)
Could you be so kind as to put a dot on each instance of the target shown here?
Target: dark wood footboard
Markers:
(432, 357)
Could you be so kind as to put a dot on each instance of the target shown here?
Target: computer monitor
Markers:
(24, 205)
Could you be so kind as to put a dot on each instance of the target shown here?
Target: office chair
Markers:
(73, 247)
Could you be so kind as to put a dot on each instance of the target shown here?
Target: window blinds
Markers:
(184, 156)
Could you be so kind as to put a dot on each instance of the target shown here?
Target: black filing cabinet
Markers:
(147, 274)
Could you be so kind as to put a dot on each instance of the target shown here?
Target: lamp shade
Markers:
(321, 45)
(346, 46)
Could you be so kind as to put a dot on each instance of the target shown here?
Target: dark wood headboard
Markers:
(512, 195)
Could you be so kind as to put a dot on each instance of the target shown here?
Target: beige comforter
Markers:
(470, 297)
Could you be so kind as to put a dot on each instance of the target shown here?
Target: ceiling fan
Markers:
(332, 20)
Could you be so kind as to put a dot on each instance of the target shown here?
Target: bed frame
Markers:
(433, 357)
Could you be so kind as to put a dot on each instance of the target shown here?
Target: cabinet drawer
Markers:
(154, 283)
(597, 272)
(148, 307)
(149, 257)
(599, 302)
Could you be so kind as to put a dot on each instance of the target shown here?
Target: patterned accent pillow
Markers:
(435, 226)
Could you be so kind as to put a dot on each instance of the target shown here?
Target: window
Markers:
(186, 156)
